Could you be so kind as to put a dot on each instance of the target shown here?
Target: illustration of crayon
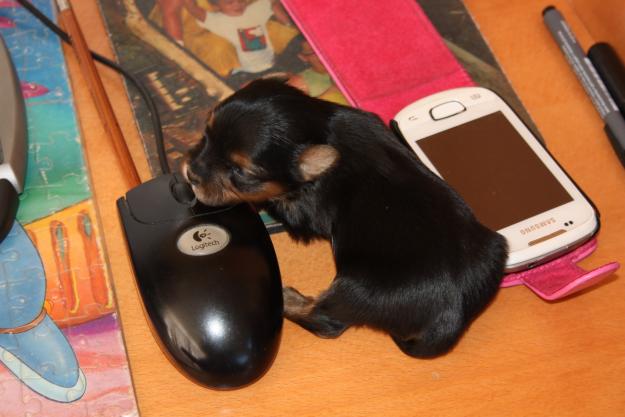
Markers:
(100, 287)
(60, 243)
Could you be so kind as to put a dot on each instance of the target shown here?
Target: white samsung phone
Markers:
(473, 140)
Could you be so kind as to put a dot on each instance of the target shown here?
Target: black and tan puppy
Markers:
(411, 259)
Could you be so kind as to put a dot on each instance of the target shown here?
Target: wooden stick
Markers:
(94, 82)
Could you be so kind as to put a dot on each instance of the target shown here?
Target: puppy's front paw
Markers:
(296, 304)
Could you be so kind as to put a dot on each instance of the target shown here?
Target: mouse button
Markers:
(153, 202)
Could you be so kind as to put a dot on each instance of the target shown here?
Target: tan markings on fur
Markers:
(216, 192)
(215, 196)
(317, 159)
(184, 168)
(296, 304)
(223, 192)
(243, 161)
(269, 190)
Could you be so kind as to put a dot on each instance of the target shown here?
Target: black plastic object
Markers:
(209, 280)
(611, 70)
(8, 207)
(13, 139)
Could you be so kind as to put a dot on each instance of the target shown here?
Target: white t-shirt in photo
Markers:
(248, 34)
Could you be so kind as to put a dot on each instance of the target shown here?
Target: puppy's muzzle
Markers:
(215, 191)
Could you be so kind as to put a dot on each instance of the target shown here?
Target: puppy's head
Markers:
(262, 142)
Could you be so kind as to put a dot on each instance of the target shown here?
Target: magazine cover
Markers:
(193, 53)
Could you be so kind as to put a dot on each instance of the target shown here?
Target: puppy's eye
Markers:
(237, 170)
(239, 174)
(243, 179)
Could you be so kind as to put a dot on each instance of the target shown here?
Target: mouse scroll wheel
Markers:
(183, 193)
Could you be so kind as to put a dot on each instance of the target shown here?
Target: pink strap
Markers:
(384, 55)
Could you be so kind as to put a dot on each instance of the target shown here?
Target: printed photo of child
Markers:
(238, 39)
(245, 26)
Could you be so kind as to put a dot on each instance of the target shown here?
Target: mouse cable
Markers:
(143, 91)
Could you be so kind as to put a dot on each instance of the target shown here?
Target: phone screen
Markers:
(492, 167)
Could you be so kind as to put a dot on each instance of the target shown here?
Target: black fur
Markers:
(411, 258)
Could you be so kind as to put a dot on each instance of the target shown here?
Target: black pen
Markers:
(587, 75)
(611, 70)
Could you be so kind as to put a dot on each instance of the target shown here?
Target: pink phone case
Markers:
(384, 55)
(562, 276)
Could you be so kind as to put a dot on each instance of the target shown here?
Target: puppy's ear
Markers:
(317, 159)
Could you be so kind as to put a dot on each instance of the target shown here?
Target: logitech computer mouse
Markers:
(209, 281)
(12, 141)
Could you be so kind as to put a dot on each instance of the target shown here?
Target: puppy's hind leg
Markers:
(314, 315)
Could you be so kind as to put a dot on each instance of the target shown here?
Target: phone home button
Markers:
(447, 109)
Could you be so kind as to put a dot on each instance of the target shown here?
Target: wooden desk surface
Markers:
(522, 357)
